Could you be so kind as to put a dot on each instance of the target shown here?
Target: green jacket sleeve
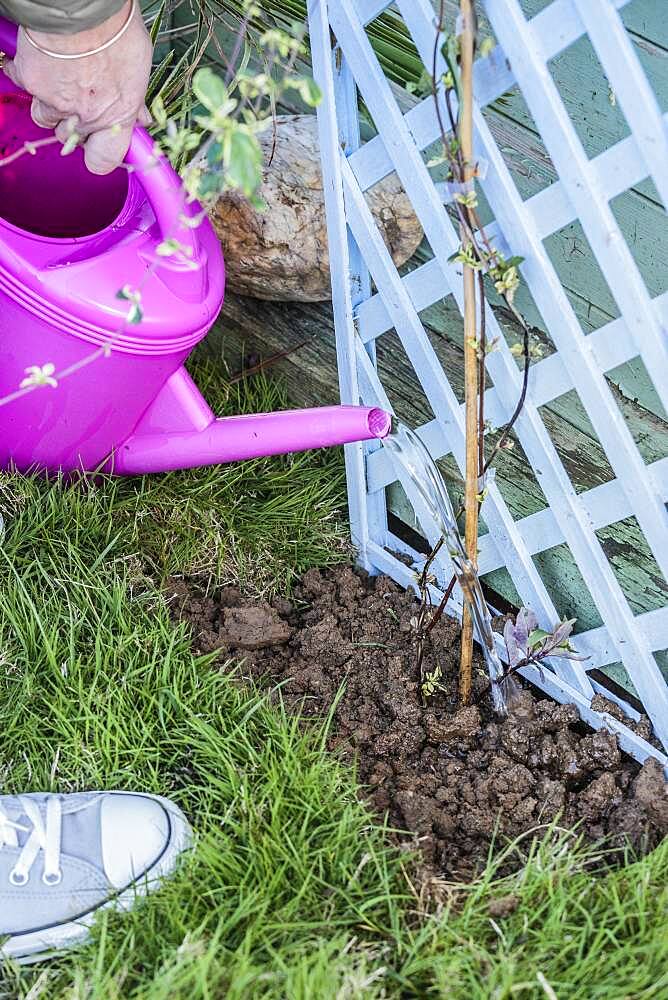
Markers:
(60, 16)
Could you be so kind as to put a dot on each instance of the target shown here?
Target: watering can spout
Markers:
(180, 432)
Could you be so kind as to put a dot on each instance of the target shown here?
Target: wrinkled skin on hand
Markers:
(101, 97)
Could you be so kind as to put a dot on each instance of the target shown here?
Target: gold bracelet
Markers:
(92, 52)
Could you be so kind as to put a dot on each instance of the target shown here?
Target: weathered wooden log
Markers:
(280, 254)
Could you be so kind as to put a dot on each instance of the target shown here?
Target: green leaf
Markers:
(209, 89)
(157, 24)
(308, 89)
(214, 154)
(450, 52)
(258, 203)
(168, 248)
(486, 46)
(244, 162)
(158, 112)
(311, 92)
(208, 184)
(135, 314)
(537, 636)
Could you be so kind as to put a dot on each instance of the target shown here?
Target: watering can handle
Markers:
(165, 193)
(160, 182)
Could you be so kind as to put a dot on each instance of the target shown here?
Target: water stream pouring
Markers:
(410, 456)
(69, 241)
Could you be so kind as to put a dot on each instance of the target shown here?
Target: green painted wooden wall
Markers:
(264, 328)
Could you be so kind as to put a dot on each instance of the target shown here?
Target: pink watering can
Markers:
(69, 241)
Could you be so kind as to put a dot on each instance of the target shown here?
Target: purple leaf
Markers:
(568, 654)
(525, 623)
(514, 654)
(563, 631)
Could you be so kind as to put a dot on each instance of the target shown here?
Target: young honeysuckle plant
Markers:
(527, 644)
(452, 93)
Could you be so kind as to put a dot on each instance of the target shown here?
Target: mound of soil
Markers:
(455, 778)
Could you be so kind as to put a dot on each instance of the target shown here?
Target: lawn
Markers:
(294, 889)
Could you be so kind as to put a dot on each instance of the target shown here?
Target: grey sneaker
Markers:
(65, 857)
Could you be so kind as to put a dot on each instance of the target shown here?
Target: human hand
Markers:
(100, 97)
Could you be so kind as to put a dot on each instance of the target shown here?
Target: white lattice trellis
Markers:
(583, 192)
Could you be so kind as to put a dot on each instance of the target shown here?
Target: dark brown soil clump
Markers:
(457, 779)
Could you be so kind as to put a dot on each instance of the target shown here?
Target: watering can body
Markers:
(70, 242)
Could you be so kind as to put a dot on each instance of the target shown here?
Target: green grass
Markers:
(294, 890)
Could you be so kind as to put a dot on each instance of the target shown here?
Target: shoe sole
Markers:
(39, 946)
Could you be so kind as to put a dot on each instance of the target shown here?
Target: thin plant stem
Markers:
(422, 624)
(28, 149)
(471, 346)
(482, 353)
(438, 614)
(238, 45)
(505, 434)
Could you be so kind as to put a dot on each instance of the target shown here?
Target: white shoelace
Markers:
(44, 835)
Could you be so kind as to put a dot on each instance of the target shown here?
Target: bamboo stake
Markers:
(466, 44)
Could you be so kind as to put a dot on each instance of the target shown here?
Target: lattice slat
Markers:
(582, 191)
